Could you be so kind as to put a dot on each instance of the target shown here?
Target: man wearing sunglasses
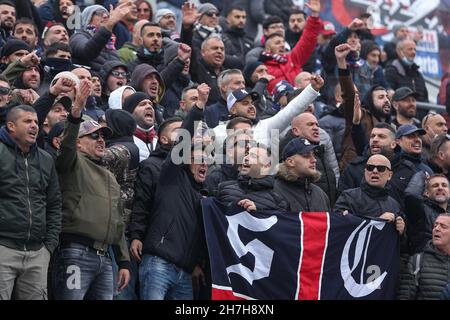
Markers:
(373, 198)
(5, 98)
(92, 214)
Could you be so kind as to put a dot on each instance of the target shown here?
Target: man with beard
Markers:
(129, 49)
(147, 79)
(167, 20)
(376, 105)
(140, 106)
(295, 177)
(58, 12)
(26, 30)
(236, 41)
(7, 17)
(54, 34)
(404, 103)
(382, 141)
(306, 126)
(439, 160)
(426, 197)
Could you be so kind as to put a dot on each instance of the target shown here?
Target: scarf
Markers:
(205, 31)
(145, 135)
(92, 29)
(267, 56)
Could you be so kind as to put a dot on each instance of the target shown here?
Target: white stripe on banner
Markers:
(301, 256)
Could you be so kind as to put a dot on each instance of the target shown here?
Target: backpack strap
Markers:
(417, 264)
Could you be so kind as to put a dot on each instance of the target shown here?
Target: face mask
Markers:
(406, 61)
(53, 66)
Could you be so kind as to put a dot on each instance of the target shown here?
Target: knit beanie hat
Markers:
(88, 12)
(161, 13)
(250, 68)
(206, 7)
(132, 101)
(13, 45)
(67, 75)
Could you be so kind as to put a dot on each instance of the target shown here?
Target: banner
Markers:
(299, 256)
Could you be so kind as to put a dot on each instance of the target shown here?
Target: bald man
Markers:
(91, 109)
(372, 199)
(434, 124)
(302, 80)
(306, 126)
(128, 51)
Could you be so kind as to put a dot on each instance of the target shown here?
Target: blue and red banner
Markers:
(299, 256)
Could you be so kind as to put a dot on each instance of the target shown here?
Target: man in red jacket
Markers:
(286, 66)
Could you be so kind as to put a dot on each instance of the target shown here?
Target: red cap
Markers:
(328, 28)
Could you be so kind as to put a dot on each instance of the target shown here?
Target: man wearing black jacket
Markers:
(295, 176)
(174, 244)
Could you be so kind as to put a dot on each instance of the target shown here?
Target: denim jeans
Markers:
(129, 293)
(160, 279)
(80, 273)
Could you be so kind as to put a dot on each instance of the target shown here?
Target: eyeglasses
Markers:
(95, 135)
(212, 14)
(380, 168)
(119, 74)
(4, 91)
(428, 116)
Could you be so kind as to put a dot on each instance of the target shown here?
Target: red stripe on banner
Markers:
(315, 226)
(220, 294)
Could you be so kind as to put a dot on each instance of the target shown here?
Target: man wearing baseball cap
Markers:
(92, 214)
(404, 103)
(295, 175)
(408, 138)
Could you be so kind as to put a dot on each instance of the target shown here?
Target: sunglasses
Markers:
(119, 74)
(380, 168)
(212, 14)
(4, 91)
(96, 135)
(428, 116)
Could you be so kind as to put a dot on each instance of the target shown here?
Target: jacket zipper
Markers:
(29, 203)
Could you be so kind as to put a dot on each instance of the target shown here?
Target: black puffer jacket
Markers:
(216, 176)
(260, 191)
(302, 195)
(90, 50)
(421, 212)
(433, 275)
(367, 201)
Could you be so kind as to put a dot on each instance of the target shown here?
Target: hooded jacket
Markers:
(92, 206)
(122, 156)
(115, 98)
(30, 212)
(137, 79)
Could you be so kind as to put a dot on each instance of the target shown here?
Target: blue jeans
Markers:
(129, 293)
(80, 273)
(160, 279)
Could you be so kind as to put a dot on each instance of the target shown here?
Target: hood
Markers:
(170, 50)
(138, 76)
(367, 103)
(115, 98)
(18, 83)
(107, 68)
(121, 122)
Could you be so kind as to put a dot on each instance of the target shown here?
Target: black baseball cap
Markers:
(297, 146)
(402, 93)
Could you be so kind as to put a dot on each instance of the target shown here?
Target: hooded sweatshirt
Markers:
(115, 98)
